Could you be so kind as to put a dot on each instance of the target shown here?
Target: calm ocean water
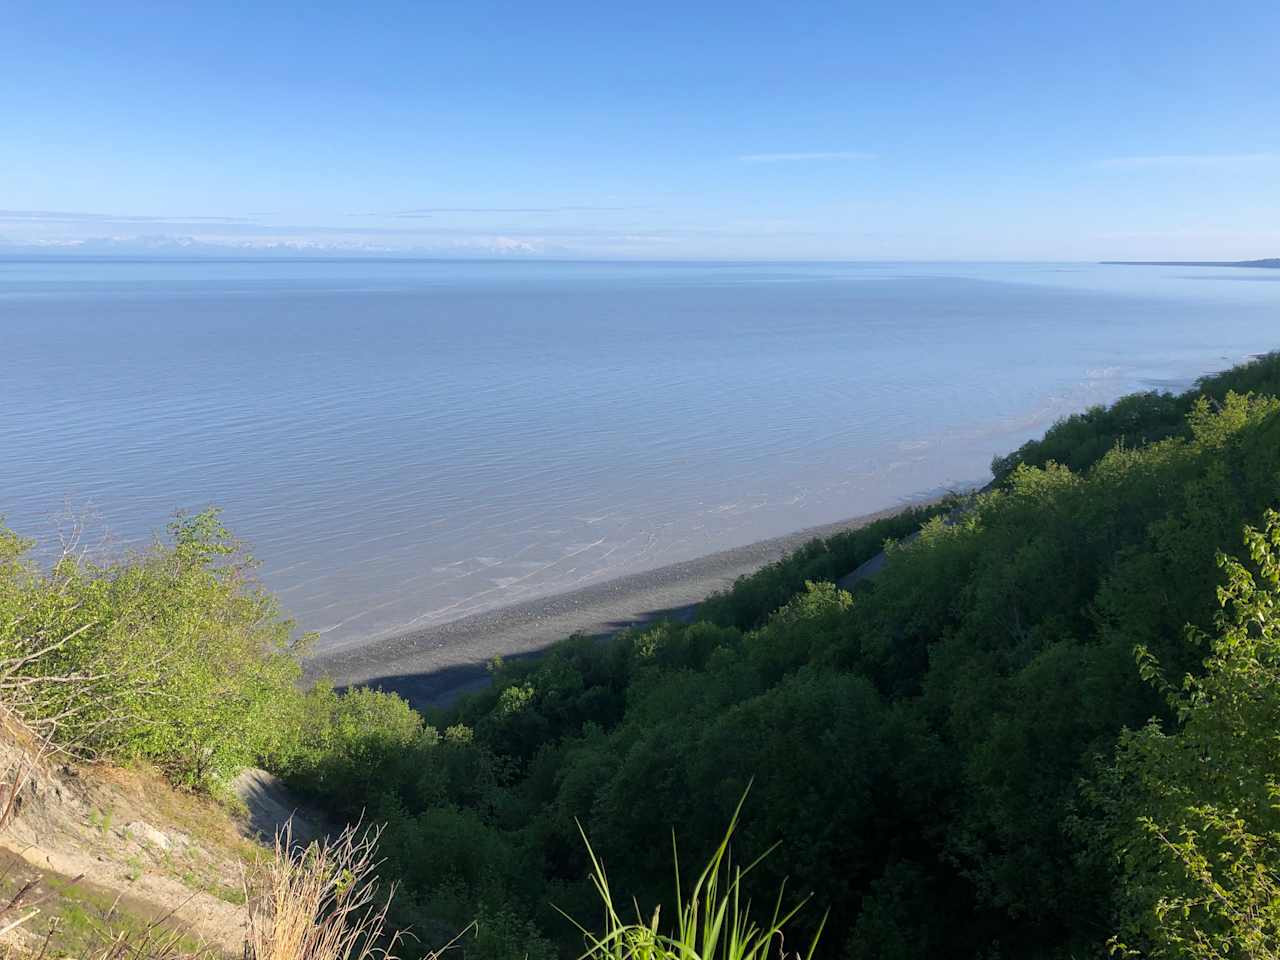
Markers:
(406, 443)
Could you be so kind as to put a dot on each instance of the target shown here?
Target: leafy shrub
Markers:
(748, 603)
(341, 741)
(1191, 806)
(174, 655)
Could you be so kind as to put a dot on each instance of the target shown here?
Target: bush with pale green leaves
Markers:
(1193, 806)
(174, 655)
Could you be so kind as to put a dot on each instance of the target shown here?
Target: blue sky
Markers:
(658, 130)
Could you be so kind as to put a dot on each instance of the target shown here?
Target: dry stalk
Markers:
(320, 902)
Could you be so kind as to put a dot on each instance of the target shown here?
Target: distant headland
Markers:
(1271, 263)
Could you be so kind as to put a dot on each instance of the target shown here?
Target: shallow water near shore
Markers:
(408, 443)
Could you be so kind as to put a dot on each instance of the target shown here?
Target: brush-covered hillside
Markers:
(1044, 729)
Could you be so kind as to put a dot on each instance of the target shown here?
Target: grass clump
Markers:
(714, 918)
(62, 917)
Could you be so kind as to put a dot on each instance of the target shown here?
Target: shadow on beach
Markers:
(443, 686)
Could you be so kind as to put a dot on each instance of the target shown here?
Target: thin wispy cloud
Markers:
(432, 211)
(806, 157)
(62, 216)
(1206, 161)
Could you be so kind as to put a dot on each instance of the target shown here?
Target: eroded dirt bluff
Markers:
(109, 849)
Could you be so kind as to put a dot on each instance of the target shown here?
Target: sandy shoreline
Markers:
(433, 666)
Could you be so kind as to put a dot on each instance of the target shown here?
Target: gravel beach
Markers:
(433, 666)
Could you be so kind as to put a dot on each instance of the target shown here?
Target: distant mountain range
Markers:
(1271, 263)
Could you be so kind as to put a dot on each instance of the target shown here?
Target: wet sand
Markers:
(435, 665)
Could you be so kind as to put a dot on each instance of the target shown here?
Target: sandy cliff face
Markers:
(104, 848)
